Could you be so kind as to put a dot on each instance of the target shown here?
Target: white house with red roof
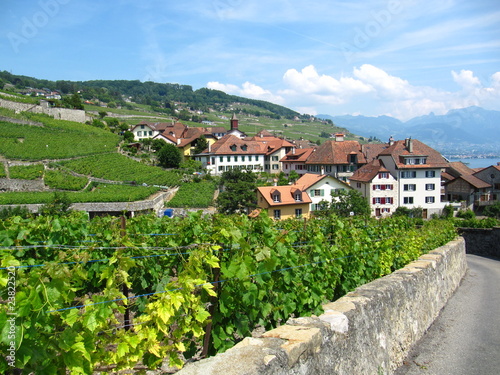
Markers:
(417, 169)
(378, 186)
(320, 188)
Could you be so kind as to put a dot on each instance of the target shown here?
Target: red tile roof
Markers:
(231, 144)
(399, 150)
(332, 152)
(297, 155)
(286, 194)
(369, 171)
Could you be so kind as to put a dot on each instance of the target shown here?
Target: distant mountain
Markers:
(459, 127)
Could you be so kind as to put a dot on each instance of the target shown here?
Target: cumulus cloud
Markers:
(247, 90)
(371, 91)
(466, 79)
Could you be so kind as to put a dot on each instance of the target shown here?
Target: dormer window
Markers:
(298, 197)
(244, 147)
(276, 197)
(233, 147)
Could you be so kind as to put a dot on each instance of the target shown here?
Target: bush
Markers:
(466, 214)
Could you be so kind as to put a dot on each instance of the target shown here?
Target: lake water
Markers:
(477, 163)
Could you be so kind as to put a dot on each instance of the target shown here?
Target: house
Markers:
(295, 160)
(146, 129)
(417, 169)
(490, 175)
(283, 202)
(338, 158)
(276, 149)
(378, 186)
(469, 189)
(232, 152)
(320, 188)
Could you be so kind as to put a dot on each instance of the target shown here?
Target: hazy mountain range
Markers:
(472, 129)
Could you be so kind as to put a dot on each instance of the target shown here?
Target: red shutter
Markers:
(374, 201)
(374, 187)
(382, 200)
(383, 187)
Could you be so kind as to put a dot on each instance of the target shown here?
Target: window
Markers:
(249, 157)
(244, 147)
(236, 158)
(408, 200)
(358, 185)
(389, 200)
(409, 187)
(377, 200)
(377, 187)
(221, 159)
(275, 158)
(256, 157)
(243, 158)
(150, 132)
(318, 207)
(386, 210)
(388, 187)
(298, 212)
(277, 214)
(221, 168)
(317, 192)
(142, 126)
(383, 175)
(298, 197)
(430, 187)
(276, 166)
(430, 173)
(408, 174)
(213, 160)
(276, 198)
(430, 199)
(328, 169)
(139, 134)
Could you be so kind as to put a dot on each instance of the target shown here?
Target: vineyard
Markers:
(196, 194)
(56, 139)
(118, 167)
(109, 294)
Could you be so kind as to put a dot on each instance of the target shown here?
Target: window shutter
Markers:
(383, 187)
(382, 201)
(374, 202)
(374, 187)
(321, 193)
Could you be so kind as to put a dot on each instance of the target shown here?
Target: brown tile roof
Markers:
(369, 171)
(286, 193)
(457, 168)
(447, 176)
(473, 181)
(332, 152)
(309, 179)
(372, 150)
(241, 147)
(399, 150)
(298, 155)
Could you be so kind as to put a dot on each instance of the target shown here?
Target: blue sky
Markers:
(402, 58)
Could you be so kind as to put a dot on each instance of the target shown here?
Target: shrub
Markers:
(466, 214)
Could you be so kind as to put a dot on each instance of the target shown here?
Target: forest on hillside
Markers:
(161, 95)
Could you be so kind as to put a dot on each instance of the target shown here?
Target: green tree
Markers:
(493, 211)
(201, 145)
(128, 136)
(157, 144)
(345, 203)
(293, 176)
(102, 114)
(169, 156)
(238, 192)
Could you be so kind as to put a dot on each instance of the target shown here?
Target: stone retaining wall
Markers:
(368, 331)
(485, 242)
(58, 113)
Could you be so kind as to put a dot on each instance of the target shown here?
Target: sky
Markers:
(402, 58)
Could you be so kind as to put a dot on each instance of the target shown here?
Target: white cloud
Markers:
(465, 79)
(371, 91)
(247, 90)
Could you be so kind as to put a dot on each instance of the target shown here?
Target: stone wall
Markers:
(368, 331)
(485, 242)
(58, 113)
(21, 185)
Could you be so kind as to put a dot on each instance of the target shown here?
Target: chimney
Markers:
(339, 137)
(234, 122)
(293, 150)
(410, 145)
(391, 141)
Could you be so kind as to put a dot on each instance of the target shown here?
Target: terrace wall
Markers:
(368, 331)
(58, 113)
